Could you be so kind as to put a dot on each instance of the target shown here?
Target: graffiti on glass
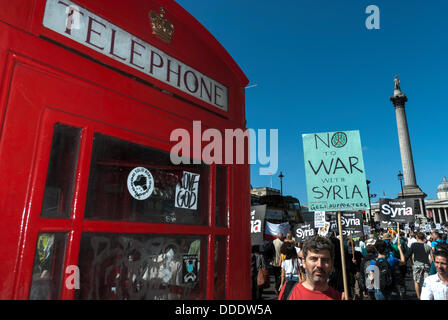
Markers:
(128, 268)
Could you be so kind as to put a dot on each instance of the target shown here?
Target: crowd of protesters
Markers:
(375, 266)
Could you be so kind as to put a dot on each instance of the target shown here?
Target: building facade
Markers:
(437, 209)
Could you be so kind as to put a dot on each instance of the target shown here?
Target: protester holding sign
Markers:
(318, 253)
(393, 254)
(367, 278)
(386, 268)
(335, 179)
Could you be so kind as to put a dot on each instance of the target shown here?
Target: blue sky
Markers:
(318, 69)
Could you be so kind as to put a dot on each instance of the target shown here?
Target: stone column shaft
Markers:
(405, 147)
(410, 188)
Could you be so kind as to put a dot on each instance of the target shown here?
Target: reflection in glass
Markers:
(60, 181)
(221, 196)
(142, 267)
(48, 266)
(130, 182)
(220, 267)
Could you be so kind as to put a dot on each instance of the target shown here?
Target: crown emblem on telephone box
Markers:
(161, 27)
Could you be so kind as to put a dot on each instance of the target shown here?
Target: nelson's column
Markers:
(410, 189)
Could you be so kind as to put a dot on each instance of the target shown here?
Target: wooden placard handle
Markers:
(341, 243)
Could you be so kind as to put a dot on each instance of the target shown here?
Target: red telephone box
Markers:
(91, 204)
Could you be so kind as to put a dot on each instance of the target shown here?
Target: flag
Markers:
(272, 229)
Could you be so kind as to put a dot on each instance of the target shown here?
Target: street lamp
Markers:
(400, 177)
(281, 183)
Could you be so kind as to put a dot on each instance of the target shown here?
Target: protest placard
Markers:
(334, 170)
(323, 231)
(398, 210)
(319, 219)
(303, 231)
(257, 214)
(335, 176)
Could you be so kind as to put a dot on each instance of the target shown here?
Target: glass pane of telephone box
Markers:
(48, 266)
(142, 267)
(220, 267)
(61, 172)
(131, 182)
(221, 196)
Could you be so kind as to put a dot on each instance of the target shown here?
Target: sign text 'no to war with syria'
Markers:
(334, 168)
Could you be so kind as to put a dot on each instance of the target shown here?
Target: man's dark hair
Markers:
(371, 249)
(442, 250)
(381, 246)
(317, 244)
(288, 250)
(420, 236)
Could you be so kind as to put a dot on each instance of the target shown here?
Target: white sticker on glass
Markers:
(187, 192)
(140, 183)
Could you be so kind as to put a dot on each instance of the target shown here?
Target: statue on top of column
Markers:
(397, 89)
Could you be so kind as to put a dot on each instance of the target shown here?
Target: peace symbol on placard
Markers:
(339, 139)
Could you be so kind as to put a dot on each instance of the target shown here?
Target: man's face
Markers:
(441, 265)
(318, 266)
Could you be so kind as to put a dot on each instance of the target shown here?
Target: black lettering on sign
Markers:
(187, 192)
(336, 166)
(327, 143)
(334, 192)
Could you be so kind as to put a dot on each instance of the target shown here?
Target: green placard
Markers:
(334, 169)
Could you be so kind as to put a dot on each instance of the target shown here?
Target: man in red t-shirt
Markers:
(318, 255)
